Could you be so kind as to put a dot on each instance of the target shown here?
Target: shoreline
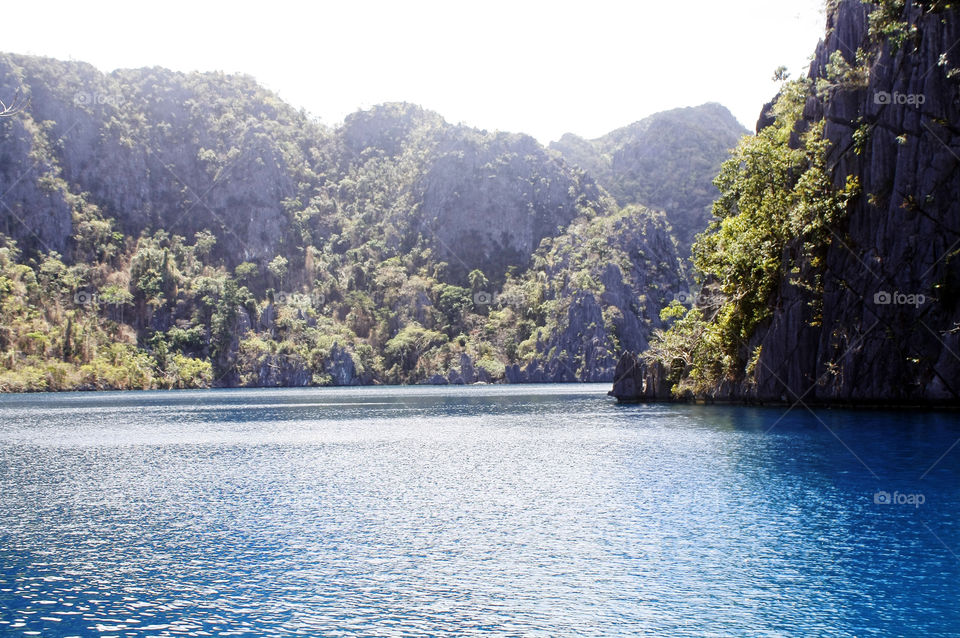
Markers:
(865, 406)
(757, 403)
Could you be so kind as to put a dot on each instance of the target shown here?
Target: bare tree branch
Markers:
(18, 103)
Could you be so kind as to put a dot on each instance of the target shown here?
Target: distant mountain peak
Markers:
(665, 161)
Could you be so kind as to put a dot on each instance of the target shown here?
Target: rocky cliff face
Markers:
(481, 200)
(634, 272)
(154, 149)
(186, 153)
(36, 207)
(891, 327)
(490, 204)
(886, 327)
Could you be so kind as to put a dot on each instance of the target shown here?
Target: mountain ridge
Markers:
(665, 161)
(194, 230)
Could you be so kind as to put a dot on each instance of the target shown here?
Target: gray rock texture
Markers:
(597, 326)
(900, 238)
(876, 343)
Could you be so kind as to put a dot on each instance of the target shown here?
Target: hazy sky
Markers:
(543, 68)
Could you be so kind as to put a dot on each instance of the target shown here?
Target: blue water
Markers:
(541, 510)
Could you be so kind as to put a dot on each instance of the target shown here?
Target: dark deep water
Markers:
(509, 510)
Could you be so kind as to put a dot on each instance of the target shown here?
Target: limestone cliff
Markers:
(885, 325)
(634, 272)
(890, 329)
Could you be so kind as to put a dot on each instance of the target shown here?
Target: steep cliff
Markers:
(151, 149)
(890, 328)
(481, 200)
(865, 306)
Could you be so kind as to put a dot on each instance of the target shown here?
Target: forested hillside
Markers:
(162, 229)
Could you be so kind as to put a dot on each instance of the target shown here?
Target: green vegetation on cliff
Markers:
(186, 230)
(771, 224)
(830, 271)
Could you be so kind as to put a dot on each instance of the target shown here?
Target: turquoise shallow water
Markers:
(509, 510)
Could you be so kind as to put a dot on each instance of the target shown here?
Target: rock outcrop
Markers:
(489, 204)
(635, 381)
(890, 329)
(166, 186)
(482, 200)
(886, 327)
(641, 274)
(147, 149)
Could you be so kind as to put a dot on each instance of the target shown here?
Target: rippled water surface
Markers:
(540, 510)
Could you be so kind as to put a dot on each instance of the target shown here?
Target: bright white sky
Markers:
(543, 68)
